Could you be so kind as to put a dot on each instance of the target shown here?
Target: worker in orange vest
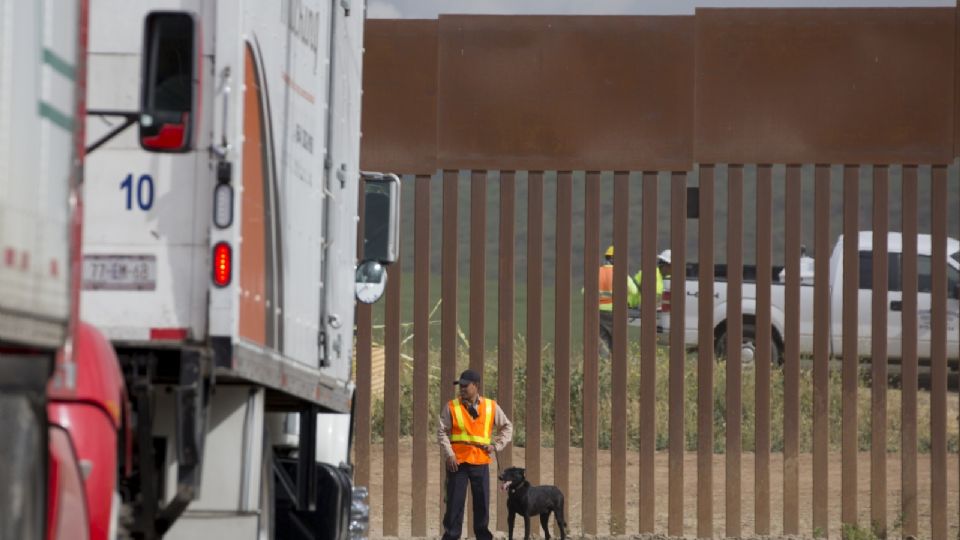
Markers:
(472, 429)
(606, 298)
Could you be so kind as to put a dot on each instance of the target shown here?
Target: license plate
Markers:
(120, 272)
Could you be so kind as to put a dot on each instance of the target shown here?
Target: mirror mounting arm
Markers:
(130, 118)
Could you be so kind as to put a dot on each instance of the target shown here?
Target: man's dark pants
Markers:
(606, 329)
(479, 478)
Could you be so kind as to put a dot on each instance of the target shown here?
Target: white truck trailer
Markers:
(220, 254)
(41, 104)
(865, 294)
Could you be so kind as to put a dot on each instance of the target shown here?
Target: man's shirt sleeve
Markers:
(504, 429)
(443, 433)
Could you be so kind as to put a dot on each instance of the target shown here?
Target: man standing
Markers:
(664, 268)
(606, 298)
(466, 435)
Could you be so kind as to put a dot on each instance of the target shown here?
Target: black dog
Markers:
(528, 501)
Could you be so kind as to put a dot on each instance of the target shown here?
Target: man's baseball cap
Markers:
(468, 376)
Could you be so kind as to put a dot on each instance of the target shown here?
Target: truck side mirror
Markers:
(170, 82)
(370, 281)
(381, 231)
(381, 234)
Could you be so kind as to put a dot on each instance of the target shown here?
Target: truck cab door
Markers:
(893, 304)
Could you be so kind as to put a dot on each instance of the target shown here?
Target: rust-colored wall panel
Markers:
(421, 351)
(956, 89)
(851, 360)
(910, 363)
(678, 360)
(648, 353)
(399, 122)
(591, 360)
(764, 331)
(878, 352)
(546, 93)
(821, 352)
(824, 85)
(938, 352)
(562, 331)
(705, 359)
(618, 365)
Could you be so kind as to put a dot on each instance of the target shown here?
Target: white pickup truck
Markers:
(864, 323)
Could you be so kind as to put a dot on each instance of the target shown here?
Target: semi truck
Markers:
(179, 193)
(62, 394)
(220, 257)
(894, 303)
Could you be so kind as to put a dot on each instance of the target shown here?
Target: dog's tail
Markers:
(561, 521)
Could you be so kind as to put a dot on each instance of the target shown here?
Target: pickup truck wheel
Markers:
(748, 348)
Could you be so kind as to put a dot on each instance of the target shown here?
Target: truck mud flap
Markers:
(192, 392)
(329, 518)
(334, 490)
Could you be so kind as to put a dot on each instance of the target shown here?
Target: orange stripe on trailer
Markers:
(253, 251)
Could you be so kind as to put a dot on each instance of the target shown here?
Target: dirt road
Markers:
(432, 485)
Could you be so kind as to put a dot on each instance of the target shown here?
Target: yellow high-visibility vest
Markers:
(467, 434)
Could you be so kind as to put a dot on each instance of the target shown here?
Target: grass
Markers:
(491, 315)
(748, 418)
(851, 531)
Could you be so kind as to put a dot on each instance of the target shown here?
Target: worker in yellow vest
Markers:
(606, 298)
(472, 429)
(664, 268)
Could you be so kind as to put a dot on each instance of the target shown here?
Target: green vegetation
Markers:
(856, 532)
(748, 417)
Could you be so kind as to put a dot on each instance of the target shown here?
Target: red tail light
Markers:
(222, 264)
(665, 301)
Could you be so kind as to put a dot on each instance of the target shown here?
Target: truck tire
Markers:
(749, 346)
(125, 522)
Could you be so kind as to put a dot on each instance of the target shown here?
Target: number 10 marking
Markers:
(144, 191)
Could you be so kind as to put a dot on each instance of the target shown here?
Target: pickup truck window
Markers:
(893, 271)
(895, 278)
(925, 284)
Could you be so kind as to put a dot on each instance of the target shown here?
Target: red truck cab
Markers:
(95, 415)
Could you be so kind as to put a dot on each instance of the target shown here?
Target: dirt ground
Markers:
(432, 485)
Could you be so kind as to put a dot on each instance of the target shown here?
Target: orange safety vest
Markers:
(467, 434)
(606, 285)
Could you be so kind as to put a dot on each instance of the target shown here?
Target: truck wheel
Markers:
(748, 349)
(125, 522)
